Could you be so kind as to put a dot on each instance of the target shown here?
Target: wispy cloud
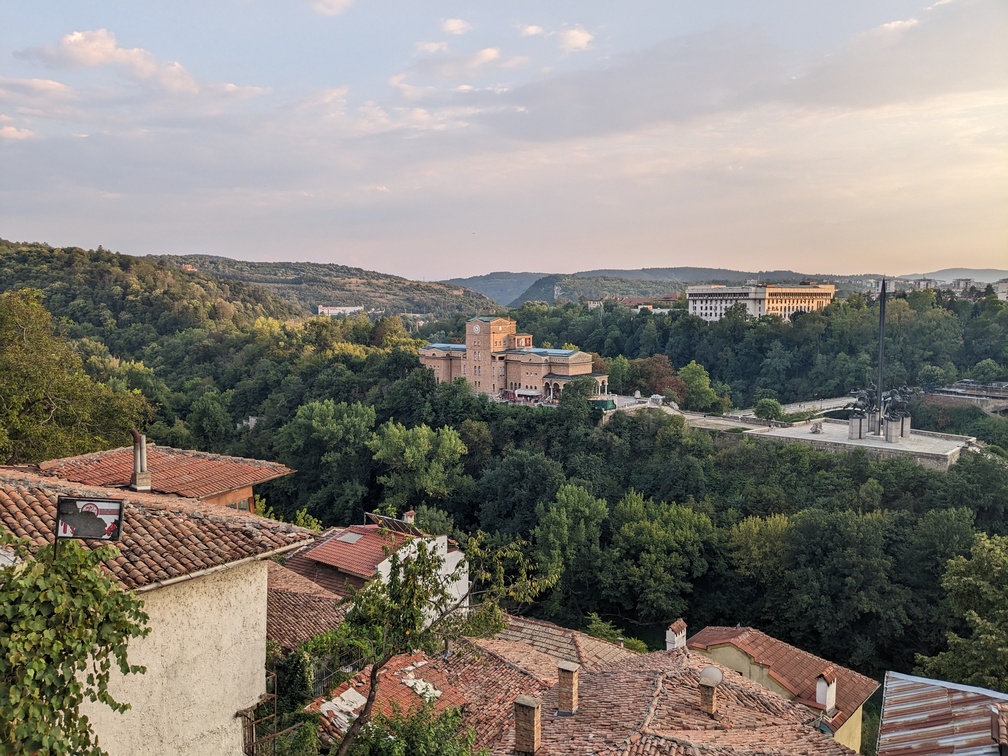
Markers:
(331, 7)
(455, 26)
(575, 40)
(429, 48)
(532, 30)
(98, 48)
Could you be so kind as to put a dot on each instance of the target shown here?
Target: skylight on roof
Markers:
(350, 537)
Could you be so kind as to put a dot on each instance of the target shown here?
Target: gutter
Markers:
(219, 568)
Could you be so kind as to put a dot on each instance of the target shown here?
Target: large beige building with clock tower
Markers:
(498, 361)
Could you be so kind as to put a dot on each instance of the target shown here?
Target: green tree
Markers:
(423, 731)
(768, 409)
(49, 407)
(421, 465)
(415, 609)
(63, 625)
(568, 542)
(700, 397)
(658, 550)
(327, 443)
(978, 589)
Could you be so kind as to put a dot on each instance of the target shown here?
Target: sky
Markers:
(443, 139)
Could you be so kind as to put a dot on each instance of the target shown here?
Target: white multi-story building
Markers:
(711, 302)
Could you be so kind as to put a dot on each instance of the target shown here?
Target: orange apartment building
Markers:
(498, 361)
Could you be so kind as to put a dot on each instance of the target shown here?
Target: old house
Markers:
(213, 478)
(835, 693)
(347, 558)
(201, 570)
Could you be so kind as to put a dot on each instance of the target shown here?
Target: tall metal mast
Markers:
(881, 353)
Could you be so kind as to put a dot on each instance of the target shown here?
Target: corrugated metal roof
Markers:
(923, 716)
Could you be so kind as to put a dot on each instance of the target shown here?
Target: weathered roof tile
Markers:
(163, 537)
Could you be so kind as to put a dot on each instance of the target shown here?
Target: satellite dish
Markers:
(711, 675)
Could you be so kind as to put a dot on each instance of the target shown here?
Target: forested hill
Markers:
(128, 302)
(573, 288)
(308, 285)
(502, 287)
(644, 282)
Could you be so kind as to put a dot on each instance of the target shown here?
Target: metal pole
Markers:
(881, 353)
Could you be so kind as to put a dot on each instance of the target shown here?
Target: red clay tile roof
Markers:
(650, 704)
(678, 626)
(173, 471)
(796, 670)
(356, 550)
(563, 644)
(923, 716)
(298, 609)
(163, 537)
(404, 684)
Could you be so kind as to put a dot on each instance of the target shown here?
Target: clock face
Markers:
(476, 328)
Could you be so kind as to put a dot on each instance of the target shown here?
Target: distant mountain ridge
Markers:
(308, 285)
(514, 288)
(501, 286)
(983, 275)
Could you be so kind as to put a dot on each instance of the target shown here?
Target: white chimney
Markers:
(825, 690)
(409, 517)
(675, 636)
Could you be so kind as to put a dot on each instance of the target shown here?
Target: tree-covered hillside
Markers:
(129, 302)
(308, 285)
(641, 519)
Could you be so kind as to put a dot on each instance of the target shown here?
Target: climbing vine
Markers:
(63, 624)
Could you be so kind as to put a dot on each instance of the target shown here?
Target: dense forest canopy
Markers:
(642, 518)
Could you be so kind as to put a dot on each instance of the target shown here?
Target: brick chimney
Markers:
(409, 517)
(141, 479)
(567, 688)
(710, 677)
(527, 725)
(708, 697)
(675, 636)
(825, 690)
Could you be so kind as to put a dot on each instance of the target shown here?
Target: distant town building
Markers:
(1001, 289)
(658, 305)
(711, 302)
(335, 312)
(498, 361)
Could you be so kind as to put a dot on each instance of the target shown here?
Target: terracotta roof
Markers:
(298, 609)
(329, 578)
(650, 704)
(163, 537)
(404, 684)
(357, 550)
(923, 716)
(796, 670)
(173, 471)
(563, 644)
(490, 682)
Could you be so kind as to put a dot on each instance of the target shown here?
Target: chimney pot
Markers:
(826, 684)
(567, 688)
(527, 725)
(141, 479)
(409, 517)
(675, 636)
